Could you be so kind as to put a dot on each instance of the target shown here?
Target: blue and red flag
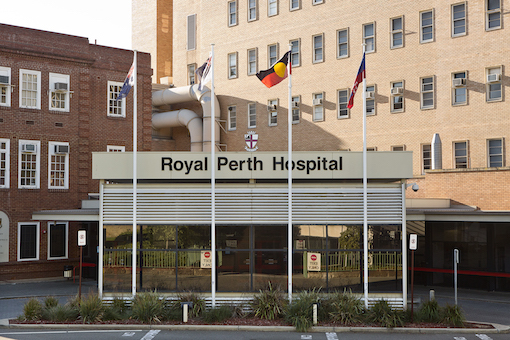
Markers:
(128, 83)
(359, 78)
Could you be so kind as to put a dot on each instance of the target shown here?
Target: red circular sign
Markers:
(313, 257)
(207, 254)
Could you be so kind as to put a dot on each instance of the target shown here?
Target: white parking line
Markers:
(331, 336)
(459, 338)
(483, 336)
(150, 335)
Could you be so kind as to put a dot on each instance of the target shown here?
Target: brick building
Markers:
(436, 82)
(57, 107)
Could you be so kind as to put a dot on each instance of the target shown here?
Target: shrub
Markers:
(269, 303)
(50, 301)
(346, 308)
(429, 312)
(198, 303)
(300, 312)
(91, 309)
(60, 313)
(148, 307)
(382, 313)
(217, 314)
(32, 310)
(118, 309)
(452, 316)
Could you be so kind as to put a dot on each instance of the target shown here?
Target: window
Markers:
(426, 157)
(232, 65)
(296, 112)
(232, 13)
(459, 91)
(272, 106)
(295, 4)
(495, 153)
(371, 148)
(272, 7)
(458, 19)
(58, 165)
(252, 115)
(5, 86)
(295, 58)
(4, 162)
(494, 84)
(252, 10)
(115, 148)
(369, 37)
(427, 26)
(28, 164)
(343, 100)
(342, 43)
(30, 89)
(191, 74)
(232, 118)
(58, 240)
(397, 96)
(272, 52)
(398, 148)
(252, 61)
(461, 155)
(397, 32)
(318, 107)
(318, 48)
(493, 14)
(317, 2)
(370, 100)
(59, 92)
(427, 92)
(116, 108)
(191, 41)
(28, 241)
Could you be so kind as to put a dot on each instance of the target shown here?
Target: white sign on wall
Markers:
(314, 262)
(205, 259)
(4, 237)
(82, 238)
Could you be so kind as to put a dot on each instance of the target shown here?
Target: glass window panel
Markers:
(302, 279)
(344, 271)
(190, 277)
(385, 237)
(159, 237)
(270, 266)
(344, 237)
(118, 236)
(270, 237)
(58, 240)
(233, 268)
(194, 237)
(309, 237)
(233, 237)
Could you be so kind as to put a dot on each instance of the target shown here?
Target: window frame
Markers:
(191, 32)
(500, 154)
(66, 244)
(276, 5)
(454, 20)
(368, 89)
(339, 44)
(6, 154)
(424, 92)
(396, 148)
(315, 59)
(22, 89)
(51, 152)
(271, 60)
(252, 114)
(315, 108)
(272, 114)
(456, 163)
(366, 37)
(296, 111)
(7, 88)
(62, 78)
(488, 86)
(293, 53)
(192, 76)
(37, 176)
(234, 66)
(111, 96)
(254, 9)
(424, 159)
(294, 8)
(455, 93)
(488, 13)
(432, 27)
(232, 16)
(394, 32)
(317, 2)
(250, 62)
(37, 241)
(392, 96)
(115, 148)
(342, 106)
(232, 117)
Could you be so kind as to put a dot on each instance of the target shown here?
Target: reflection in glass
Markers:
(270, 266)
(233, 237)
(270, 237)
(233, 271)
(309, 237)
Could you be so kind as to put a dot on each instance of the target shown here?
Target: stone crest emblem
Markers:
(251, 139)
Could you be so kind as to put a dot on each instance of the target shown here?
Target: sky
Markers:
(106, 21)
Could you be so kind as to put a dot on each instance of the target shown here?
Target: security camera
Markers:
(415, 187)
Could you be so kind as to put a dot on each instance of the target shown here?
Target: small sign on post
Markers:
(413, 245)
(205, 259)
(82, 241)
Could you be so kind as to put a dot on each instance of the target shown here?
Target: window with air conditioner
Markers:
(296, 112)
(370, 100)
(494, 87)
(459, 90)
(318, 107)
(232, 118)
(58, 165)
(397, 96)
(5, 146)
(29, 162)
(5, 86)
(59, 92)
(272, 112)
(192, 68)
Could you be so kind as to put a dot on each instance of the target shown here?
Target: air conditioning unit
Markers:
(61, 149)
(4, 80)
(492, 78)
(28, 147)
(397, 90)
(457, 82)
(61, 86)
(271, 108)
(274, 114)
(295, 105)
(370, 95)
(317, 101)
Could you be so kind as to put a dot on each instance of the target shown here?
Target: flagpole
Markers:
(135, 142)
(289, 138)
(365, 210)
(213, 185)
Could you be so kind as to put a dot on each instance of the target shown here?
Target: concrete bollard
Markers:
(315, 314)
(432, 295)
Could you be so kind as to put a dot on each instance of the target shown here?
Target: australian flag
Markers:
(128, 83)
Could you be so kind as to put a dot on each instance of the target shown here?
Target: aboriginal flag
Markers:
(278, 72)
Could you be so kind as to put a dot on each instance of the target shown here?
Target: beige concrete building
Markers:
(435, 69)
